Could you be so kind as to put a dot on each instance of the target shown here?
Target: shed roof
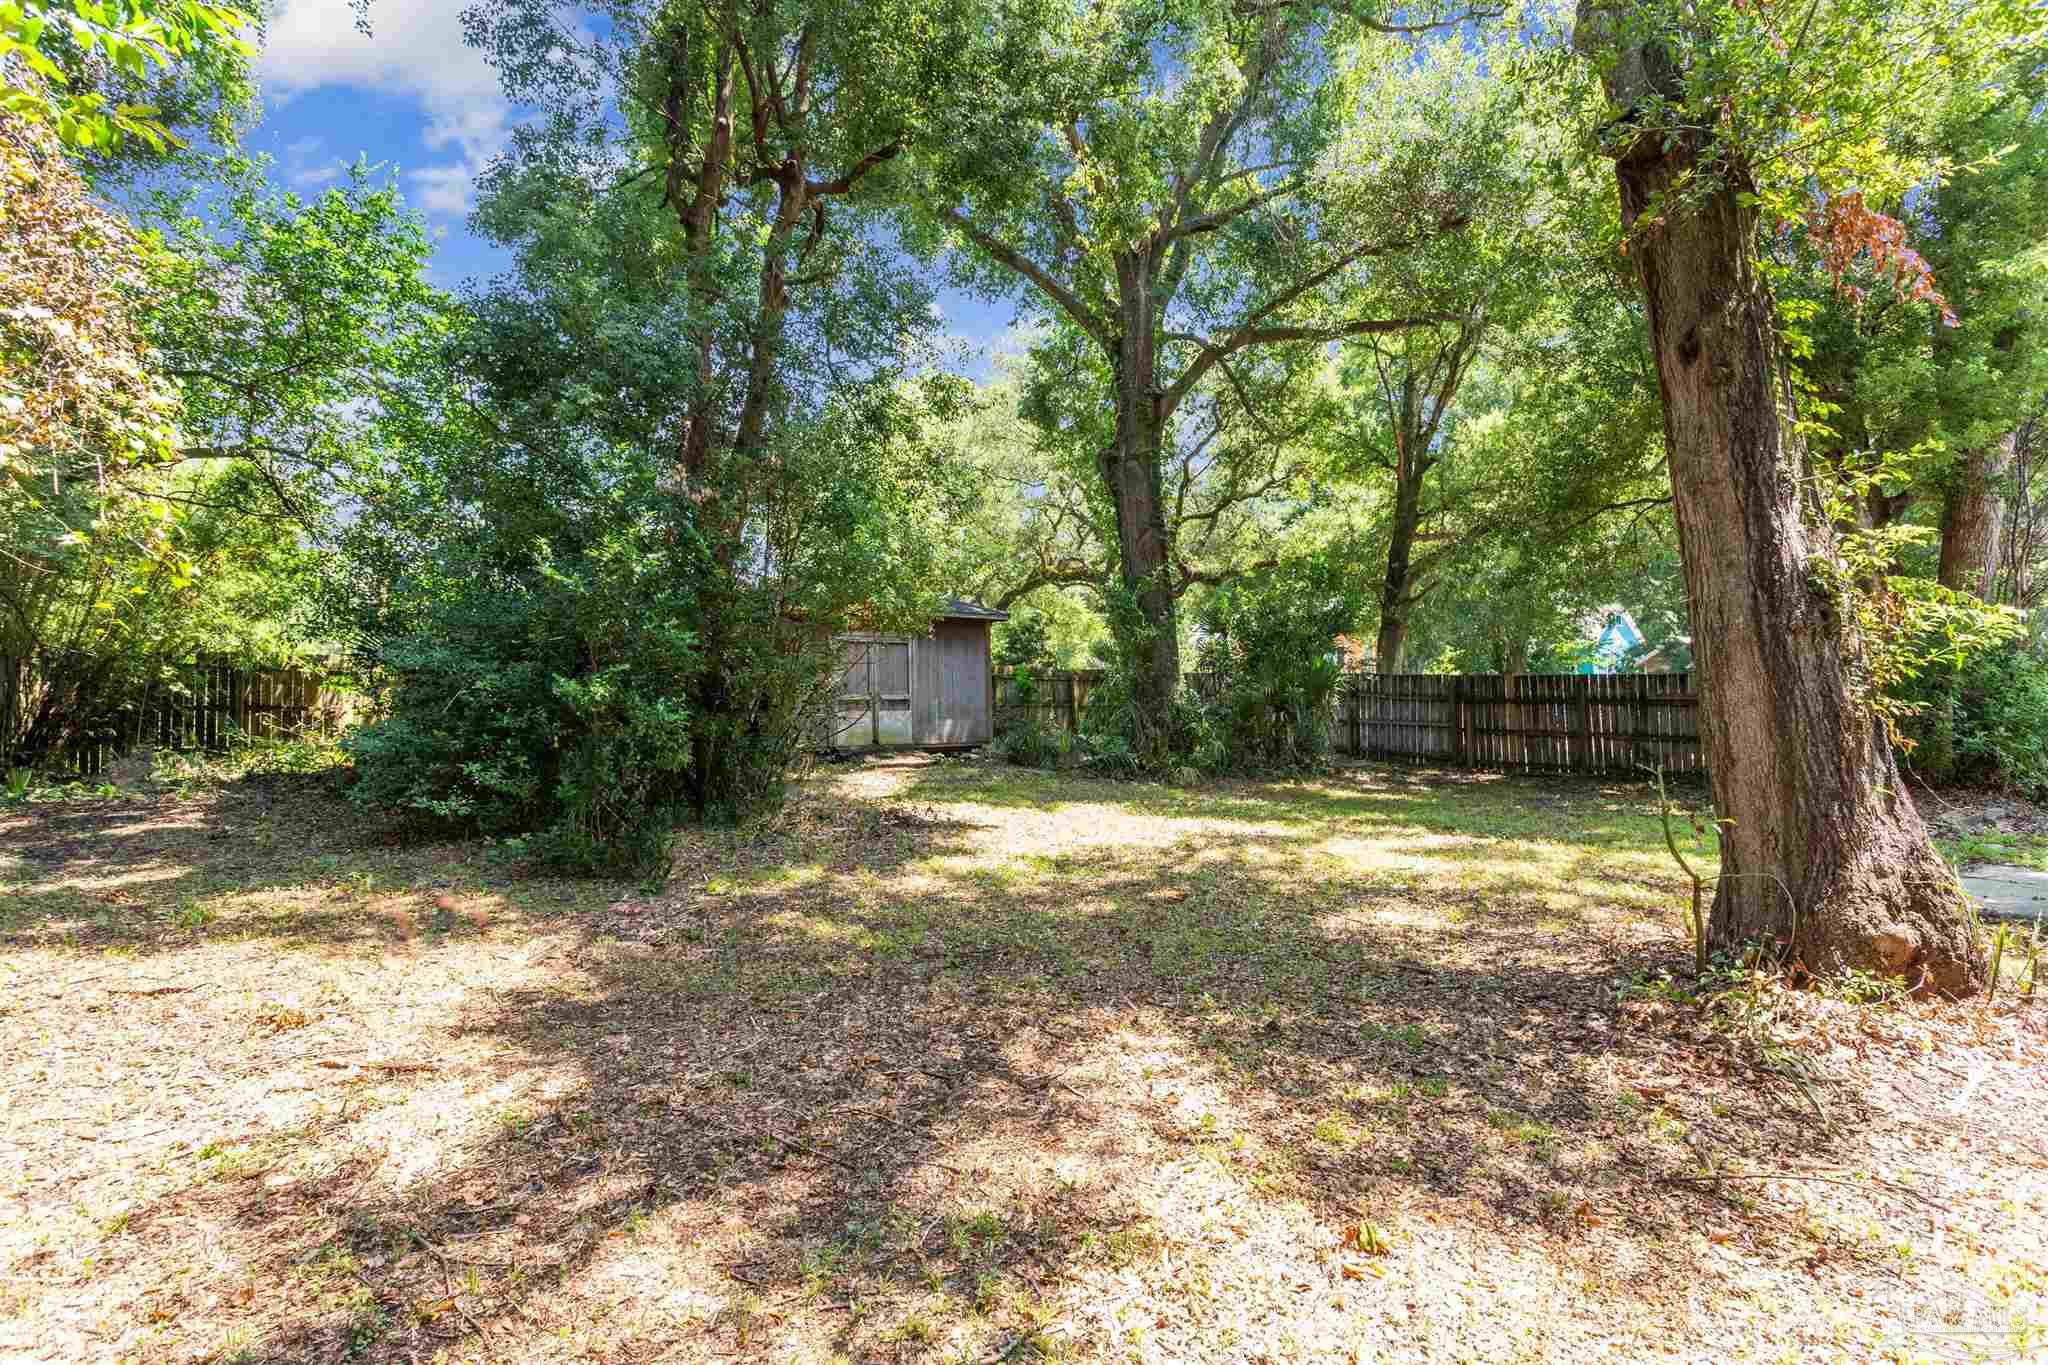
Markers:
(957, 609)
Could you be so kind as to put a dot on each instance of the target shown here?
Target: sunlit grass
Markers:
(2010, 850)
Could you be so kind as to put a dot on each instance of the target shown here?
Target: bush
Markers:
(1031, 745)
(1267, 649)
(1267, 653)
(1109, 738)
(548, 704)
(1024, 641)
(1986, 721)
(571, 661)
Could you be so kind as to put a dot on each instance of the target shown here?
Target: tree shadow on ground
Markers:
(910, 1088)
(285, 857)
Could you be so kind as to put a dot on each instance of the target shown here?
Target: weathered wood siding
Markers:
(928, 690)
(953, 692)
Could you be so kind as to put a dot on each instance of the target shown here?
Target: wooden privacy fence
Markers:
(1054, 698)
(1057, 698)
(1544, 722)
(203, 705)
(1549, 722)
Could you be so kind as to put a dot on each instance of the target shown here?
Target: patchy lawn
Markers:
(1974, 828)
(954, 1062)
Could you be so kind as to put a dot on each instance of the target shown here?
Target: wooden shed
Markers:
(930, 691)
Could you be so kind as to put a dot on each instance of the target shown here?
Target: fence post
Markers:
(1516, 747)
(1461, 719)
(1582, 724)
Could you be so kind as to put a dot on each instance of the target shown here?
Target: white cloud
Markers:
(442, 190)
(303, 166)
(415, 51)
(313, 177)
(478, 131)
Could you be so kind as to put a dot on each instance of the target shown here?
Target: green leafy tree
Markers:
(79, 399)
(1182, 189)
(1881, 377)
(682, 446)
(196, 405)
(85, 421)
(1716, 114)
(1022, 526)
(290, 326)
(111, 75)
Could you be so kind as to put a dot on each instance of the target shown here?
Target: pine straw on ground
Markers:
(955, 1063)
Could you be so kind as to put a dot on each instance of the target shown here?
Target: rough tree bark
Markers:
(1398, 591)
(1417, 385)
(1514, 655)
(1390, 648)
(1822, 848)
(1971, 513)
(1131, 471)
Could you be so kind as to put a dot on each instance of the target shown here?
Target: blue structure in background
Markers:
(1612, 647)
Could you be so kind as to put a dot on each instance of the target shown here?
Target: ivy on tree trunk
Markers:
(1822, 850)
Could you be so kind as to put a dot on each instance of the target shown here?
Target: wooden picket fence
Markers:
(203, 705)
(1537, 722)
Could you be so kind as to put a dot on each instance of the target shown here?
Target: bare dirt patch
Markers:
(952, 1062)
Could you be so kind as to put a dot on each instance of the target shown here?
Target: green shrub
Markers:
(568, 661)
(547, 703)
(1986, 721)
(1028, 744)
(1024, 641)
(1109, 738)
(1267, 650)
(1269, 674)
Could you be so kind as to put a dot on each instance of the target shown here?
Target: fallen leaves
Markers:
(863, 1066)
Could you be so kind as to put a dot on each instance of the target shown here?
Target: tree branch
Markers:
(1209, 222)
(1247, 336)
(1016, 260)
(1250, 333)
(860, 168)
(1065, 573)
(1216, 577)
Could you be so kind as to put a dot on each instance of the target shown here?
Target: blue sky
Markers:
(414, 99)
(411, 97)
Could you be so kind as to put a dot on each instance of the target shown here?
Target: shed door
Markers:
(854, 724)
(892, 691)
(960, 711)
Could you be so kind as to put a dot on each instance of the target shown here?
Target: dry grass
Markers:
(957, 1063)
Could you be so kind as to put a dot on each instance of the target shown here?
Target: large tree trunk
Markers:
(1390, 651)
(1131, 471)
(1971, 513)
(695, 200)
(1397, 591)
(1822, 849)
